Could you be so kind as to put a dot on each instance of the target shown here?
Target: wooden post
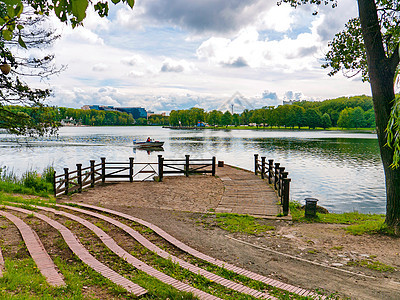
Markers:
(92, 174)
(54, 184)
(285, 202)
(66, 176)
(270, 170)
(255, 163)
(103, 169)
(262, 167)
(160, 167)
(213, 166)
(187, 165)
(282, 179)
(79, 169)
(280, 182)
(131, 169)
(276, 174)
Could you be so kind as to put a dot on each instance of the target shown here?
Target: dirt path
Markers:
(168, 204)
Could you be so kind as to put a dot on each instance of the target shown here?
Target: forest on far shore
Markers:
(343, 112)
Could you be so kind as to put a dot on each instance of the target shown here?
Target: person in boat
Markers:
(148, 140)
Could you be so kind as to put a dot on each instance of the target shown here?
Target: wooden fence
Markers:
(185, 166)
(77, 180)
(277, 177)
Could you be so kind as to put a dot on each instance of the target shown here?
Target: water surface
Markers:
(343, 170)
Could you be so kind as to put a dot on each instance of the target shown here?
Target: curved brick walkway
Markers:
(37, 251)
(182, 263)
(113, 246)
(220, 263)
(84, 255)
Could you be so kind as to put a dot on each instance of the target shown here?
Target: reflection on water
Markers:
(342, 170)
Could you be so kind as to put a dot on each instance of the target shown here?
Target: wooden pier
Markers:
(246, 193)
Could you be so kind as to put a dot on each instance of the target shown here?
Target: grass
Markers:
(241, 223)
(371, 264)
(30, 183)
(27, 202)
(358, 223)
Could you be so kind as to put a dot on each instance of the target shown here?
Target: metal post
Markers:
(213, 166)
(276, 174)
(285, 202)
(79, 172)
(160, 167)
(131, 169)
(103, 169)
(66, 180)
(92, 174)
(255, 163)
(270, 170)
(187, 165)
(262, 167)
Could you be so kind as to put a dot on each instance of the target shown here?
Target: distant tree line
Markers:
(154, 120)
(344, 112)
(75, 116)
(96, 117)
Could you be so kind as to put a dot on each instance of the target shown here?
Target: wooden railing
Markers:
(75, 181)
(185, 166)
(277, 177)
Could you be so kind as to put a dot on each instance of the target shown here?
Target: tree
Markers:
(226, 118)
(21, 24)
(326, 121)
(13, 91)
(344, 120)
(214, 117)
(312, 118)
(358, 118)
(370, 45)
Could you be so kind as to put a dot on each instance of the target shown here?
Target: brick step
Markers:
(182, 263)
(37, 251)
(113, 246)
(194, 252)
(84, 255)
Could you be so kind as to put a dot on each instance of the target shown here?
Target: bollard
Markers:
(311, 207)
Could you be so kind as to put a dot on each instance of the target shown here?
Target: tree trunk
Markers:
(381, 73)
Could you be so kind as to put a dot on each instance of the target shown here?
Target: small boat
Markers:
(151, 144)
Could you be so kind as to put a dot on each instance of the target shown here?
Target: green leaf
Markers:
(115, 1)
(10, 12)
(131, 3)
(79, 9)
(21, 42)
(18, 10)
(7, 35)
(20, 27)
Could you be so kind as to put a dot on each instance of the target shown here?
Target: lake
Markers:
(343, 170)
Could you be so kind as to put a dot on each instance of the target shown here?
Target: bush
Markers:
(30, 183)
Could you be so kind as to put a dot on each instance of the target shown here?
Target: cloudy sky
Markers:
(178, 54)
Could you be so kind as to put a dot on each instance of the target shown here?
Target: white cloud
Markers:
(278, 18)
(197, 54)
(100, 67)
(170, 65)
(133, 60)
